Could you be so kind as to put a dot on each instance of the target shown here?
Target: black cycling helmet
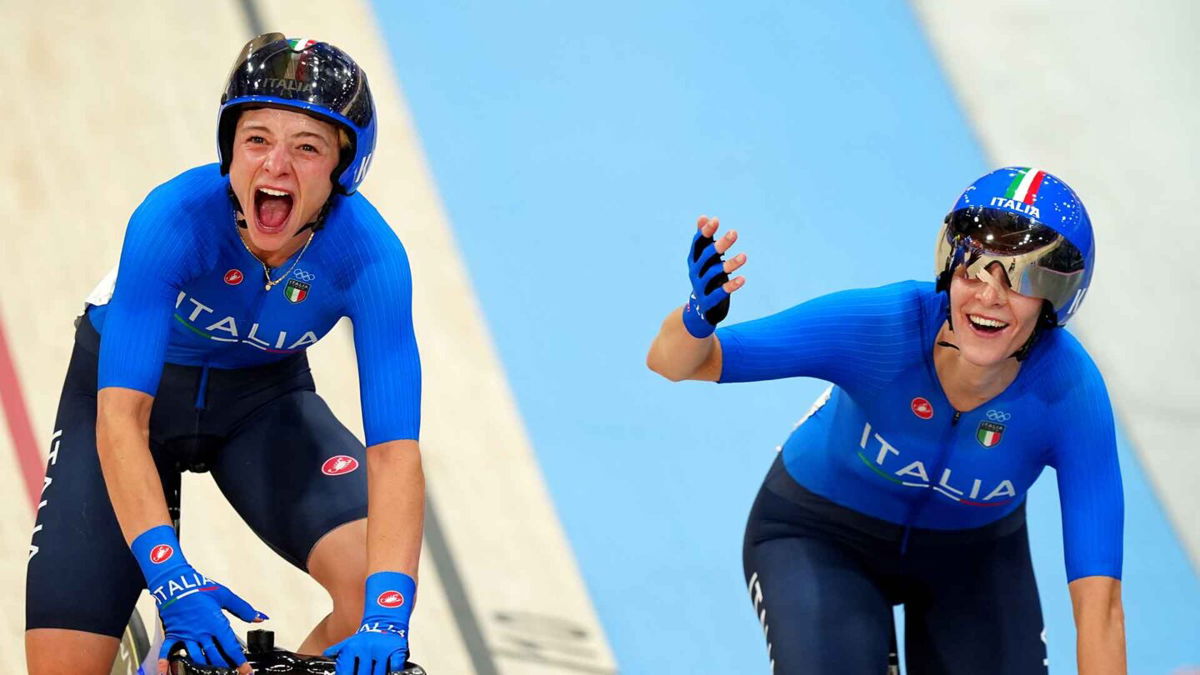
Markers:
(312, 77)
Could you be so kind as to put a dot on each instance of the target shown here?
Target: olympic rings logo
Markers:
(998, 416)
(304, 276)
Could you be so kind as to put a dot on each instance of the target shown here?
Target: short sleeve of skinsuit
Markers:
(379, 303)
(861, 339)
(1085, 458)
(858, 337)
(160, 253)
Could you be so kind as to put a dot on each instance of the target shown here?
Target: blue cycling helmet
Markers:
(312, 77)
(1034, 225)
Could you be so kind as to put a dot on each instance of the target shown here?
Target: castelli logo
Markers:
(390, 599)
(338, 465)
(234, 277)
(921, 408)
(161, 554)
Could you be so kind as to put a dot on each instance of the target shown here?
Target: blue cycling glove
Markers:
(189, 603)
(381, 645)
(709, 302)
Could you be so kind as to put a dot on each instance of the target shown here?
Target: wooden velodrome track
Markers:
(105, 102)
(116, 98)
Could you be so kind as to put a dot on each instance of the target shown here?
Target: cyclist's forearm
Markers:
(676, 355)
(1100, 646)
(396, 507)
(1099, 626)
(122, 440)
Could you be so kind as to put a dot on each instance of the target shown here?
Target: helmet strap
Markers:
(319, 222)
(949, 317)
(943, 280)
(239, 215)
(1023, 353)
(1046, 320)
(949, 314)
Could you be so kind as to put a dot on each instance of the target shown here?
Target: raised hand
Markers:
(709, 274)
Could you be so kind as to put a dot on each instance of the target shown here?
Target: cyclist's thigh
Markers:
(81, 575)
(293, 473)
(820, 609)
(978, 612)
(55, 651)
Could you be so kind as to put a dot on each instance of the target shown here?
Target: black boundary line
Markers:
(435, 539)
(253, 18)
(456, 594)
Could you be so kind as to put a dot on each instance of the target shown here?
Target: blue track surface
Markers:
(574, 147)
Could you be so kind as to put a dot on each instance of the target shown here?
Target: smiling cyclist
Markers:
(192, 357)
(906, 482)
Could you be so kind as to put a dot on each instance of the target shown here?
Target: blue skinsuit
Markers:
(172, 302)
(190, 323)
(884, 455)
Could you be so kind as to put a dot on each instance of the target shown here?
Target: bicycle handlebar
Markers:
(265, 658)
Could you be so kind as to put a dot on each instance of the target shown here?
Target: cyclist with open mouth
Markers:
(906, 481)
(192, 357)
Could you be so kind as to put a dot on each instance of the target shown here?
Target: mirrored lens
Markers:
(1038, 261)
(1001, 232)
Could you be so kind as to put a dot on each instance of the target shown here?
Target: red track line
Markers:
(19, 426)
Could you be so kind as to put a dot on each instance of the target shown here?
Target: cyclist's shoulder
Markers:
(903, 305)
(1066, 355)
(1066, 373)
(898, 296)
(360, 234)
(196, 186)
(1070, 396)
(175, 222)
(357, 216)
(193, 200)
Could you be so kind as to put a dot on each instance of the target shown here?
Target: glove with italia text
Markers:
(709, 302)
(190, 604)
(381, 644)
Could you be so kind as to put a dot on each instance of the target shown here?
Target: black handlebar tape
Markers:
(279, 662)
(260, 641)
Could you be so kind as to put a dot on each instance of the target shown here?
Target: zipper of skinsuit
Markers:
(202, 388)
(944, 458)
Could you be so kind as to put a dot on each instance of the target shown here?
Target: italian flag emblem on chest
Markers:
(989, 434)
(295, 291)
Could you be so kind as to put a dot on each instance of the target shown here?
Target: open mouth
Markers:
(986, 325)
(272, 207)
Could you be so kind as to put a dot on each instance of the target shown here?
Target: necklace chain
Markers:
(270, 283)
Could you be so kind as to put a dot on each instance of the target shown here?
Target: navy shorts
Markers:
(280, 457)
(824, 579)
